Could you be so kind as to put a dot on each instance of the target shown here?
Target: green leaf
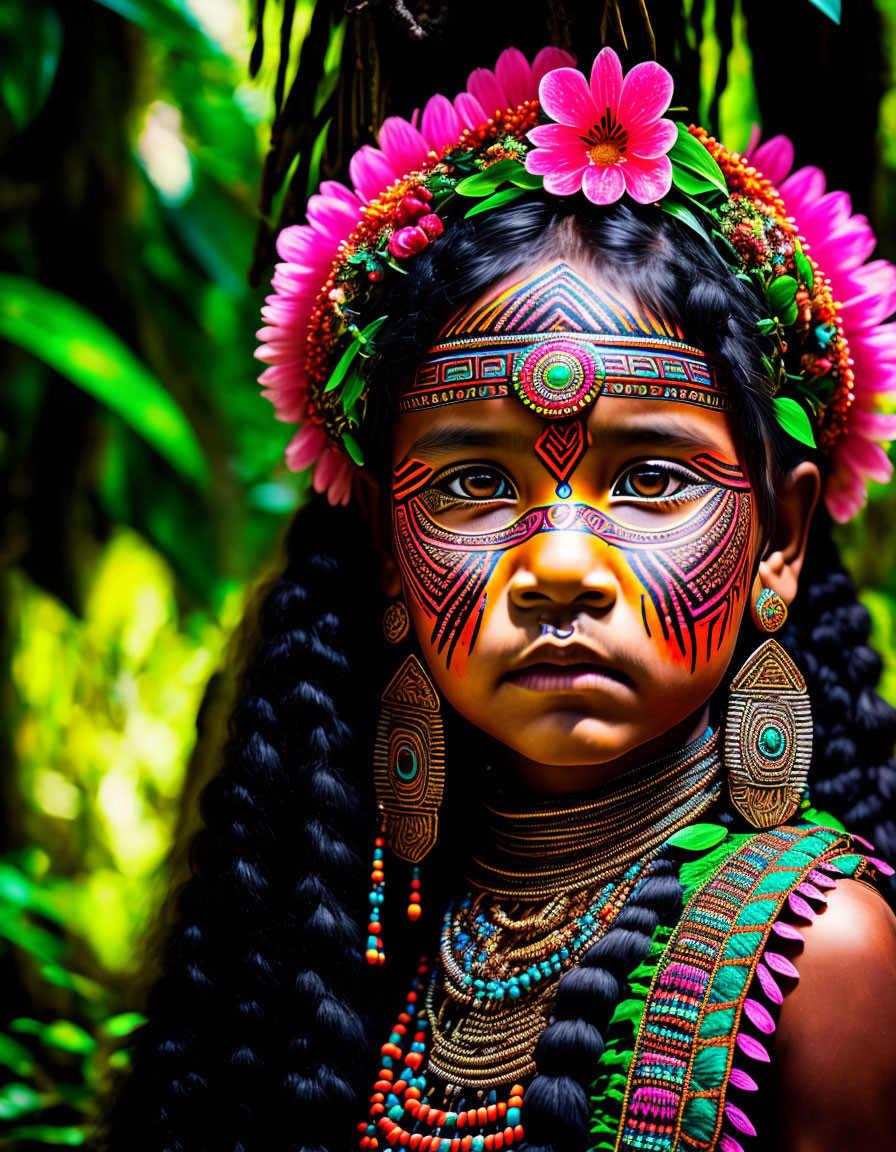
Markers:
(691, 184)
(18, 1099)
(80, 347)
(819, 816)
(688, 152)
(696, 837)
(347, 357)
(485, 182)
(504, 197)
(67, 1036)
(831, 8)
(48, 1134)
(793, 419)
(15, 1056)
(685, 215)
(781, 293)
(32, 35)
(766, 326)
(804, 267)
(524, 179)
(123, 1024)
(353, 448)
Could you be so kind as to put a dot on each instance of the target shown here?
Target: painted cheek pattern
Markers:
(692, 574)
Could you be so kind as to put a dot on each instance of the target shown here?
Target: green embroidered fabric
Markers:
(667, 1090)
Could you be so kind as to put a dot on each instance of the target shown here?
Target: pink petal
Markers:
(653, 140)
(830, 866)
(759, 1016)
(806, 184)
(440, 125)
(546, 61)
(563, 183)
(333, 217)
(774, 158)
(752, 1048)
(513, 73)
(739, 1119)
(371, 172)
(602, 185)
(559, 161)
(743, 1080)
(566, 98)
(647, 180)
(800, 907)
(782, 928)
(881, 865)
(558, 136)
(861, 840)
(325, 470)
(333, 190)
(470, 111)
(769, 987)
(821, 880)
(403, 144)
(340, 490)
(729, 1144)
(809, 889)
(606, 82)
(482, 85)
(305, 447)
(781, 965)
(646, 94)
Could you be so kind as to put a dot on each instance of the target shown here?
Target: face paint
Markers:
(692, 573)
(557, 344)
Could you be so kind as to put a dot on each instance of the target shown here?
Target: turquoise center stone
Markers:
(406, 762)
(558, 376)
(771, 742)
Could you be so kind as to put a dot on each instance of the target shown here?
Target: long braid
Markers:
(556, 1106)
(254, 1037)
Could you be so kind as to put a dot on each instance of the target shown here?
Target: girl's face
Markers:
(577, 615)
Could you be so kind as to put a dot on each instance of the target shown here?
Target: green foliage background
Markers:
(145, 488)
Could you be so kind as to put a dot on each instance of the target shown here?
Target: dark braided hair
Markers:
(263, 1026)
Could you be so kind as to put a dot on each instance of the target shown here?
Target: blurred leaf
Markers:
(17, 1100)
(168, 22)
(15, 1056)
(81, 348)
(123, 1024)
(30, 47)
(48, 1134)
(67, 1036)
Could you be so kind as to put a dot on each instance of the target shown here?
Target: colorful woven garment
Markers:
(695, 1027)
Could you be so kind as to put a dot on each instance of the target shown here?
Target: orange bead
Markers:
(492, 1111)
(481, 1117)
(466, 1144)
(461, 1119)
(414, 1142)
(411, 1094)
(502, 1108)
(403, 1138)
(361, 1128)
(365, 1143)
(414, 911)
(375, 876)
(415, 884)
(508, 1136)
(516, 1090)
(518, 1132)
(499, 1141)
(372, 956)
(374, 927)
(515, 1101)
(489, 1143)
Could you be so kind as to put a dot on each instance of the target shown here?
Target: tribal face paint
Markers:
(692, 574)
(557, 344)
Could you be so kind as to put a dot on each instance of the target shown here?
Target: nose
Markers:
(563, 569)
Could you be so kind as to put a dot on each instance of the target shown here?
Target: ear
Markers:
(796, 497)
(375, 510)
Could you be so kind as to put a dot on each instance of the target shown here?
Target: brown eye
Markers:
(479, 484)
(657, 481)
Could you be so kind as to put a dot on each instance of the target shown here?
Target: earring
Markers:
(408, 772)
(769, 611)
(768, 737)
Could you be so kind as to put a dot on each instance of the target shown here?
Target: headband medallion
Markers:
(558, 379)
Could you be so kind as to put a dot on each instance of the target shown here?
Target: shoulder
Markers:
(836, 1043)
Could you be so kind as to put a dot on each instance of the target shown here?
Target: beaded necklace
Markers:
(455, 1064)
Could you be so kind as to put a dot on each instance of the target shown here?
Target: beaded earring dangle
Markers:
(409, 774)
(768, 728)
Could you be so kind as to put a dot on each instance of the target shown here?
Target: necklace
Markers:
(456, 1062)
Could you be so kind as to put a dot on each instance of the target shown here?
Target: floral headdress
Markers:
(527, 127)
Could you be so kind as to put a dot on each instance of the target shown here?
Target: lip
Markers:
(572, 667)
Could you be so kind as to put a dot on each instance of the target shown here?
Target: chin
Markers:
(573, 738)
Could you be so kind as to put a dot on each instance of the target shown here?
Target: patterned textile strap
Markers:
(690, 1033)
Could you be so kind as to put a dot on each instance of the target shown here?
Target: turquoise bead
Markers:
(513, 1117)
(478, 1144)
(771, 741)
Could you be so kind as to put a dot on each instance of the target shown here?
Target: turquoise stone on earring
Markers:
(406, 764)
(771, 742)
(558, 376)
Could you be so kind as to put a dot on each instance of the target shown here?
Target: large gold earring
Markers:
(768, 737)
(409, 754)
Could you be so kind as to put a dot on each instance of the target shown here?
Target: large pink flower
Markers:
(840, 243)
(309, 250)
(609, 137)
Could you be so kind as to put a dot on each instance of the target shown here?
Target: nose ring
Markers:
(553, 630)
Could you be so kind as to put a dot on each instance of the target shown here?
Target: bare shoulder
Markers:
(836, 1045)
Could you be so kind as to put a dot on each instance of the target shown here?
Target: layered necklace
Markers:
(550, 879)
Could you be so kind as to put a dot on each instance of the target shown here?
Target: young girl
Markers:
(581, 399)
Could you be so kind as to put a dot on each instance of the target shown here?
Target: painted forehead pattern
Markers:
(558, 344)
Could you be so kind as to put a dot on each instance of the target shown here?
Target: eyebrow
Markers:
(447, 438)
(453, 437)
